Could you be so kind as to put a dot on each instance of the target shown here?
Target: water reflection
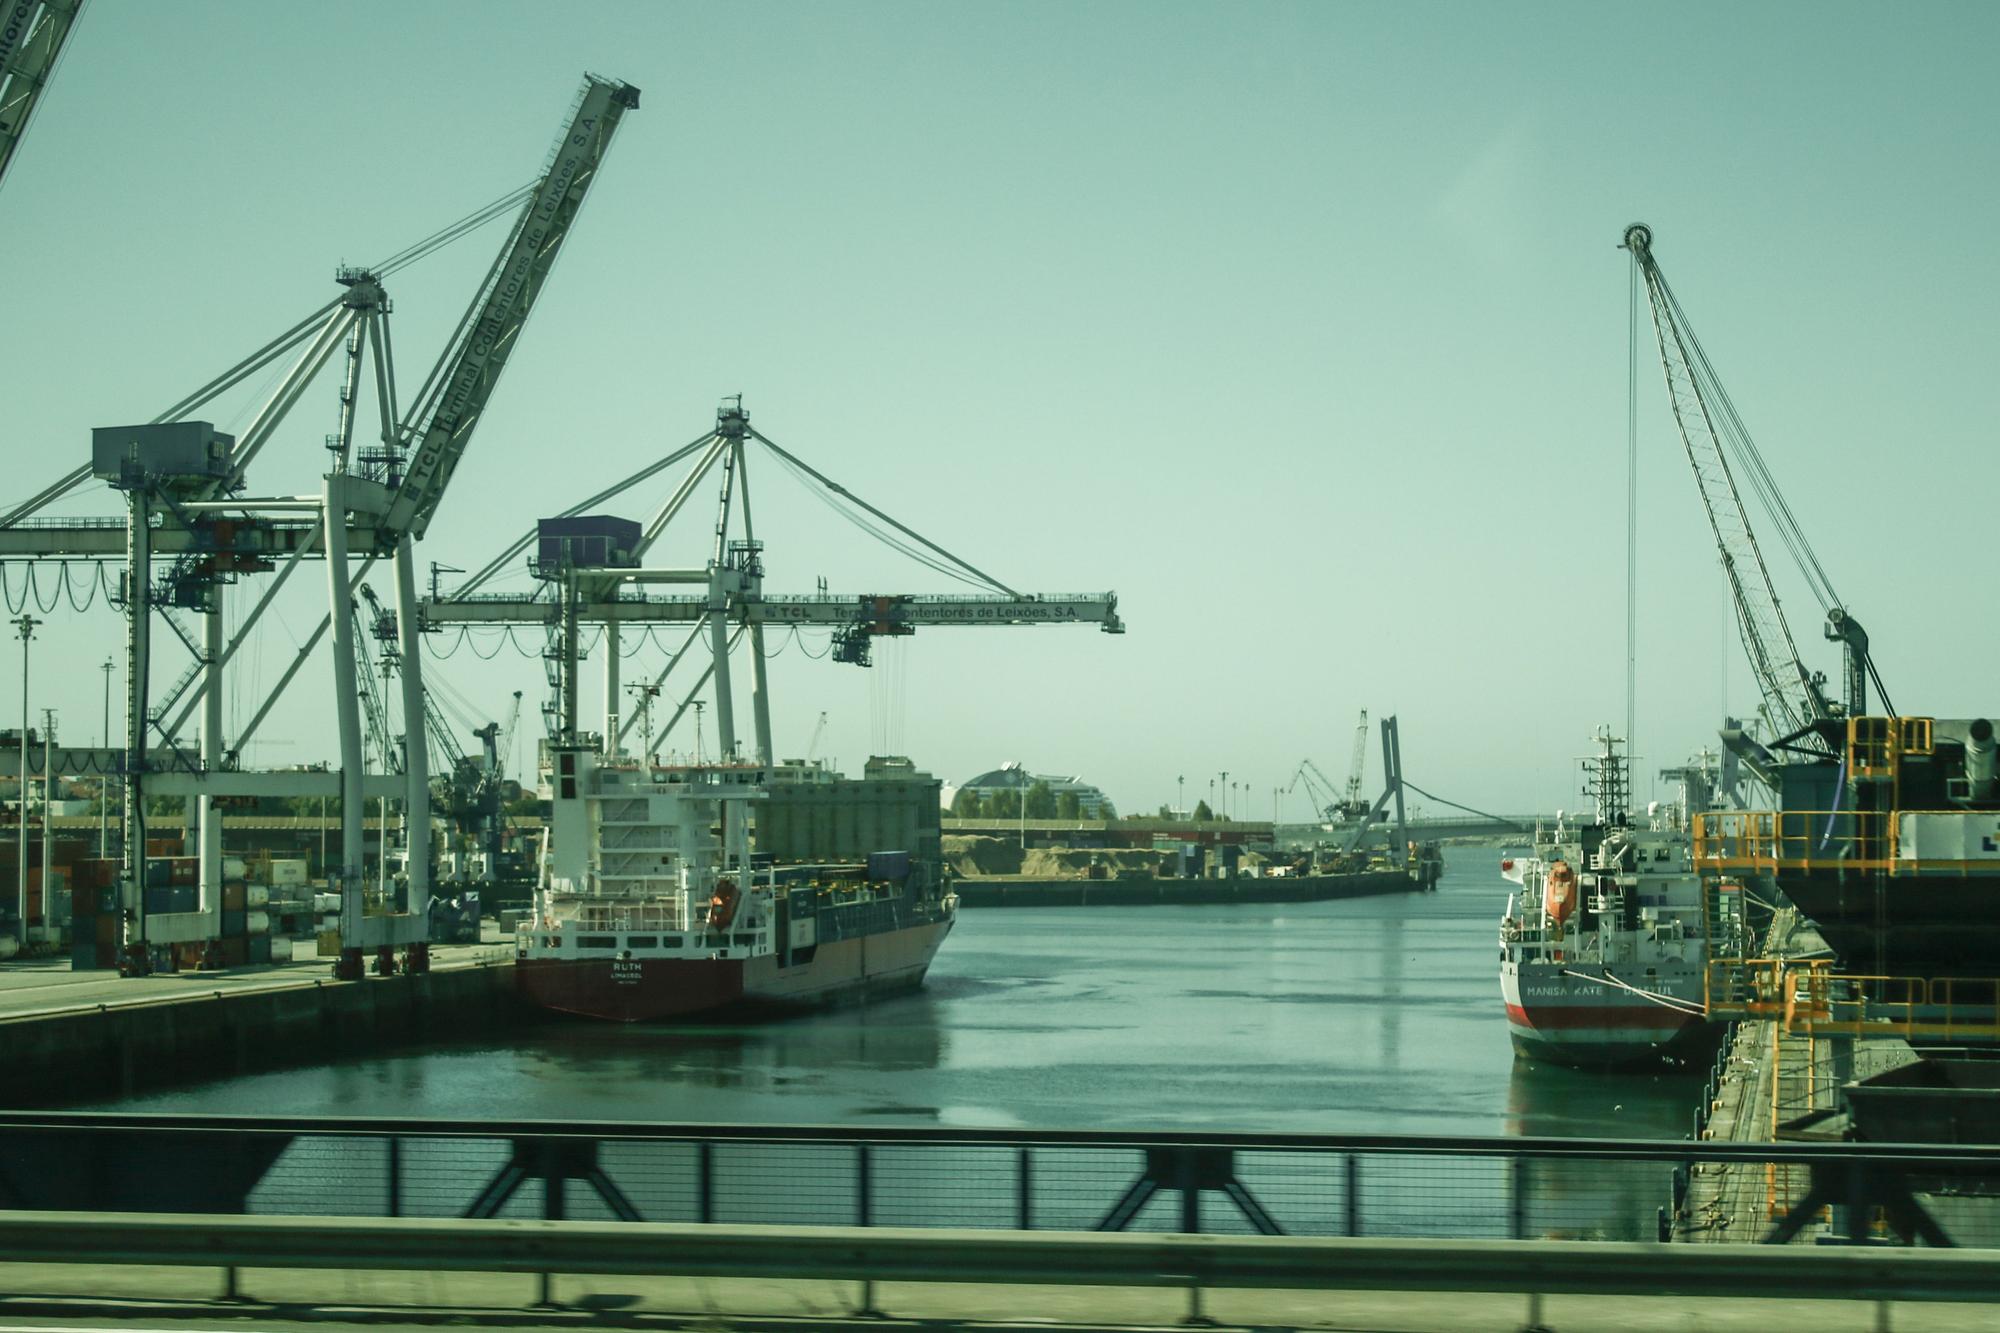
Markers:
(893, 1036)
(1391, 1000)
(1545, 1099)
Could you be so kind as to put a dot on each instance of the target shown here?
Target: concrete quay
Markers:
(1771, 1077)
(75, 1036)
(1027, 891)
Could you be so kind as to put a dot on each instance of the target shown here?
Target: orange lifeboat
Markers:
(722, 905)
(1559, 892)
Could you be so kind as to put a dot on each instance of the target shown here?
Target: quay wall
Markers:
(118, 1050)
(1016, 891)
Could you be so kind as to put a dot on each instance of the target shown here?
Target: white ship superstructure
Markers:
(1604, 946)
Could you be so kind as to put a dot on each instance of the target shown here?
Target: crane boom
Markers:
(1357, 763)
(1792, 696)
(32, 33)
(886, 615)
(472, 364)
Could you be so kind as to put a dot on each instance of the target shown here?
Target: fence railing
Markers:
(1815, 994)
(1295, 1184)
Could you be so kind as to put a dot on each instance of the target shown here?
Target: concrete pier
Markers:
(70, 1037)
(1771, 1079)
(1023, 891)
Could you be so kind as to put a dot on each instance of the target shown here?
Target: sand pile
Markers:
(974, 854)
(1074, 862)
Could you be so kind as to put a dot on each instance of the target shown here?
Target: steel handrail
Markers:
(895, 1254)
(170, 1126)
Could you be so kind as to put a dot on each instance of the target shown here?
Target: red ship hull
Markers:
(645, 990)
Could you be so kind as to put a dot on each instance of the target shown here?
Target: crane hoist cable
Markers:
(1498, 819)
(1750, 459)
(917, 554)
(1713, 434)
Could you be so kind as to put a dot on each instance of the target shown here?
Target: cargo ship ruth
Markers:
(1603, 948)
(656, 899)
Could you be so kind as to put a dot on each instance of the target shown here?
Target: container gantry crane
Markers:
(592, 572)
(1794, 697)
(183, 481)
(32, 33)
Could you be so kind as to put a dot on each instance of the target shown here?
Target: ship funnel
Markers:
(1982, 760)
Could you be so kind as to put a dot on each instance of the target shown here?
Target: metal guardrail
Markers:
(1295, 1184)
(867, 1257)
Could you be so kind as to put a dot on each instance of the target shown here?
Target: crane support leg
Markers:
(346, 693)
(760, 693)
(134, 958)
(760, 686)
(416, 757)
(610, 646)
(211, 760)
(725, 708)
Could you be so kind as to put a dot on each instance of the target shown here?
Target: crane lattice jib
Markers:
(487, 338)
(1355, 764)
(31, 40)
(1789, 697)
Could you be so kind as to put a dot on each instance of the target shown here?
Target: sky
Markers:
(1302, 327)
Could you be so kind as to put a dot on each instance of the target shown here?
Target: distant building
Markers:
(1092, 803)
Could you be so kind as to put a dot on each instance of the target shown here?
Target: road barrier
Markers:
(868, 1256)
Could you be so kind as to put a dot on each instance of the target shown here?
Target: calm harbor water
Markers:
(1380, 1015)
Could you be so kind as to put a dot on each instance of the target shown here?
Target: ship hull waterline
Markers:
(654, 989)
(1587, 1026)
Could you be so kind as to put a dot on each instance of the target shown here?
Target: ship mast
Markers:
(1607, 782)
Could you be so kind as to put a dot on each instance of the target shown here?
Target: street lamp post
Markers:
(26, 624)
(1180, 796)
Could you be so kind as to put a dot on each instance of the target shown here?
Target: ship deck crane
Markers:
(585, 584)
(32, 33)
(182, 483)
(1795, 702)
